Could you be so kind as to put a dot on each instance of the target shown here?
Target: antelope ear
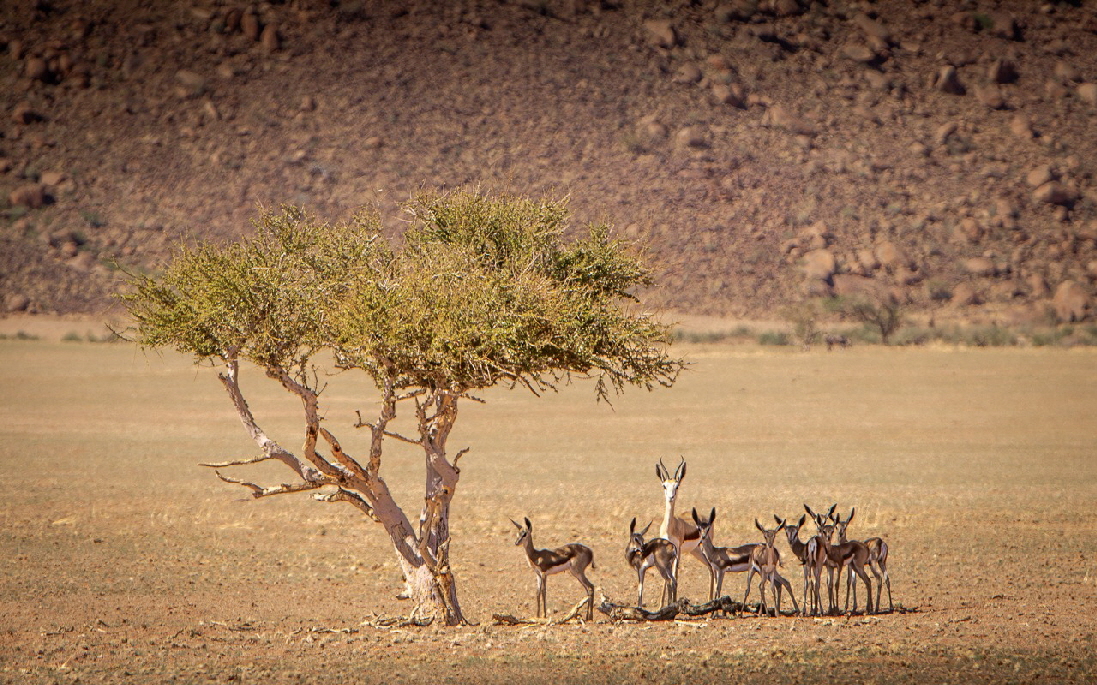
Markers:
(830, 514)
(516, 524)
(809, 511)
(801, 523)
(776, 518)
(782, 522)
(696, 519)
(645, 530)
(632, 526)
(658, 472)
(851, 513)
(528, 524)
(712, 515)
(759, 525)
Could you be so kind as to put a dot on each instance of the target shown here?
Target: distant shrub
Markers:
(773, 338)
(72, 336)
(19, 335)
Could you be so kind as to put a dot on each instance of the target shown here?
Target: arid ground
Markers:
(123, 560)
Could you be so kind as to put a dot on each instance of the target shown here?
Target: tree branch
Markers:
(344, 495)
(238, 462)
(258, 491)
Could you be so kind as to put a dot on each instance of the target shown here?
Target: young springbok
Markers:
(808, 554)
(723, 559)
(877, 561)
(545, 562)
(765, 559)
(656, 552)
(838, 556)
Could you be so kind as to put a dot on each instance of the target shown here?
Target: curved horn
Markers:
(680, 472)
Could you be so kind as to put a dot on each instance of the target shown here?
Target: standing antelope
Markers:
(809, 555)
(877, 559)
(656, 552)
(818, 557)
(723, 559)
(765, 559)
(685, 535)
(545, 562)
(851, 552)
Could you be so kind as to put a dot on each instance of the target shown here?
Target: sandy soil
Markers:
(123, 561)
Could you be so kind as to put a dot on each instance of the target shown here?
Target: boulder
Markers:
(1003, 71)
(29, 195)
(819, 265)
(1054, 193)
(1021, 126)
(991, 96)
(1040, 175)
(948, 81)
(968, 231)
(730, 94)
(1087, 92)
(16, 302)
(891, 256)
(661, 33)
(847, 285)
(980, 266)
(1071, 302)
(781, 117)
(965, 294)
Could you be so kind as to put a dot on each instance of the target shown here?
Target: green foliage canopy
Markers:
(481, 290)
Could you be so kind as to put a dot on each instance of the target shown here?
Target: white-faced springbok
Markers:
(877, 561)
(658, 553)
(545, 562)
(765, 559)
(723, 559)
(685, 535)
(851, 553)
(818, 557)
(808, 554)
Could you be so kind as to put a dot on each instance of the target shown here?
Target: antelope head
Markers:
(670, 483)
(523, 531)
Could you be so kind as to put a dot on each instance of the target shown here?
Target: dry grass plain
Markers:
(122, 560)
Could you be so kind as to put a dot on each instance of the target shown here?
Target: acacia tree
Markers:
(482, 291)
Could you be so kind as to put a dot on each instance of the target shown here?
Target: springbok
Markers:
(545, 562)
(723, 559)
(818, 557)
(851, 553)
(877, 560)
(765, 559)
(656, 552)
(808, 554)
(685, 535)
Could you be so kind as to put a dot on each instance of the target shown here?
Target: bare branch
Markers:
(238, 462)
(344, 495)
(258, 491)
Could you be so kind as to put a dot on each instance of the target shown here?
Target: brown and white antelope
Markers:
(765, 559)
(685, 535)
(877, 559)
(850, 553)
(808, 555)
(573, 557)
(818, 558)
(723, 559)
(658, 553)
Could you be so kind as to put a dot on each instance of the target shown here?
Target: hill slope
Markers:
(762, 151)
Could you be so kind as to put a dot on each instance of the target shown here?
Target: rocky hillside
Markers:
(763, 150)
